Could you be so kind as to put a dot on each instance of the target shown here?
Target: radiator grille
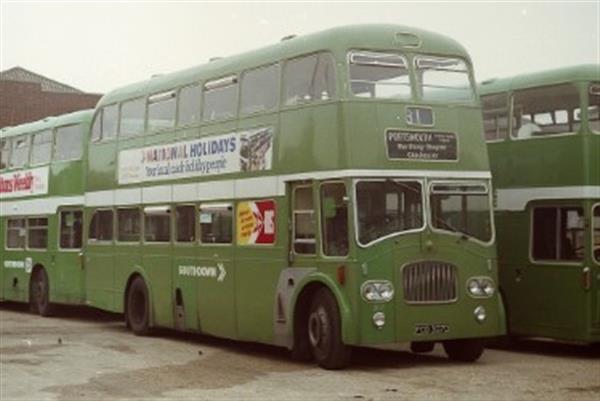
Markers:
(429, 282)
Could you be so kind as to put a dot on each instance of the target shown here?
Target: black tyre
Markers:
(39, 294)
(138, 308)
(325, 332)
(465, 350)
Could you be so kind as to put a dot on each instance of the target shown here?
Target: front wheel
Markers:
(325, 332)
(465, 350)
(39, 297)
(138, 315)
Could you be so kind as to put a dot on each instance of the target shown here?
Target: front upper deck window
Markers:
(109, 121)
(132, 117)
(379, 75)
(20, 151)
(462, 208)
(545, 111)
(309, 79)
(220, 99)
(387, 207)
(444, 79)
(68, 144)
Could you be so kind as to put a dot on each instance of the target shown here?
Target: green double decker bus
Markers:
(543, 134)
(329, 191)
(42, 184)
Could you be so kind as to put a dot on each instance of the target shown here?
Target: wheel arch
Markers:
(138, 271)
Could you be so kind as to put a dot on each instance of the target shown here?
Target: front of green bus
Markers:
(425, 255)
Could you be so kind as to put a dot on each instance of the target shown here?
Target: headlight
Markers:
(480, 287)
(377, 291)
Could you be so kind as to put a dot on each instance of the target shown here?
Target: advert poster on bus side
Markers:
(255, 222)
(420, 145)
(24, 183)
(234, 152)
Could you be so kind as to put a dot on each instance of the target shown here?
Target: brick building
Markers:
(26, 96)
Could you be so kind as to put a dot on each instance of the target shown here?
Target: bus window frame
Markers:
(116, 226)
(8, 142)
(6, 228)
(424, 209)
(587, 112)
(168, 210)
(314, 216)
(55, 137)
(242, 77)
(137, 134)
(59, 213)
(407, 59)
(555, 262)
(94, 241)
(115, 137)
(320, 220)
(509, 110)
(159, 97)
(488, 192)
(52, 142)
(283, 66)
(196, 240)
(27, 218)
(216, 205)
(199, 122)
(219, 83)
(593, 229)
(418, 95)
(25, 164)
(512, 121)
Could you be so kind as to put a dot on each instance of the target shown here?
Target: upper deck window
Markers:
(189, 105)
(443, 79)
(379, 75)
(132, 117)
(161, 111)
(495, 116)
(309, 79)
(20, 151)
(4, 152)
(220, 99)
(105, 123)
(41, 148)
(545, 111)
(260, 89)
(68, 144)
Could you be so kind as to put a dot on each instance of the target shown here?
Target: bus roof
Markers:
(48, 122)
(586, 72)
(373, 36)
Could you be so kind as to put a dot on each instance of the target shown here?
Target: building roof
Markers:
(20, 74)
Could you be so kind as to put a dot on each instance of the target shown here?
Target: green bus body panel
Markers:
(547, 299)
(66, 181)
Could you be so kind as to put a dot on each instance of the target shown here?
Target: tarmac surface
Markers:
(84, 354)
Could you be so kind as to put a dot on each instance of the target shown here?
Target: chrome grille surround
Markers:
(429, 282)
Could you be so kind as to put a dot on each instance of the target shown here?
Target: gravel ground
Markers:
(84, 354)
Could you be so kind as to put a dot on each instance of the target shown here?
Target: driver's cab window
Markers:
(596, 233)
(558, 234)
(545, 111)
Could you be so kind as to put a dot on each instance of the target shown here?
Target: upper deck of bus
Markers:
(335, 130)
(553, 137)
(43, 158)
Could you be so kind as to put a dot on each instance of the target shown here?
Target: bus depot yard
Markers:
(85, 354)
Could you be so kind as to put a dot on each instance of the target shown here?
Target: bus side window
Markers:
(495, 116)
(71, 229)
(157, 224)
(133, 115)
(128, 224)
(185, 223)
(101, 226)
(161, 111)
(4, 153)
(558, 234)
(304, 221)
(41, 147)
(334, 212)
(69, 143)
(220, 99)
(20, 151)
(596, 228)
(216, 223)
(97, 127)
(189, 105)
(15, 233)
(260, 89)
(308, 79)
(37, 233)
(109, 122)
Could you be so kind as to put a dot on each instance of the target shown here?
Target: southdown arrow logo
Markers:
(222, 272)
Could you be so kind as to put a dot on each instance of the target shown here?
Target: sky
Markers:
(99, 46)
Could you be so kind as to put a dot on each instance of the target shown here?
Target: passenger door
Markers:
(69, 257)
